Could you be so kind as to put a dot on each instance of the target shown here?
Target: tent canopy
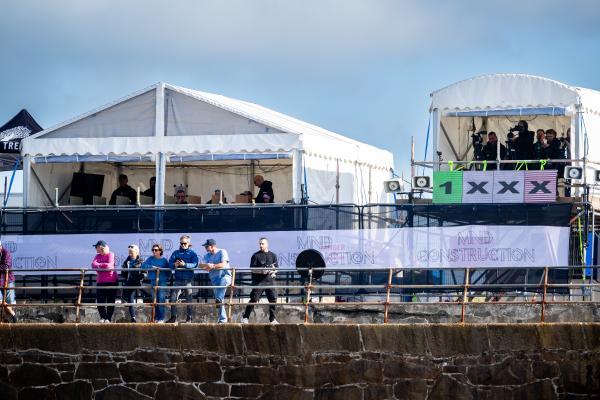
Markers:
(496, 102)
(12, 133)
(165, 123)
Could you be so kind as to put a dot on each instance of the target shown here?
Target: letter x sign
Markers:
(477, 186)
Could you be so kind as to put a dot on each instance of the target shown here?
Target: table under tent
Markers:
(498, 102)
(202, 142)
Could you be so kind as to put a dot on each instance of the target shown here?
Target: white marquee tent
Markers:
(497, 102)
(203, 140)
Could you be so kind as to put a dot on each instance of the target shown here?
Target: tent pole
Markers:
(159, 132)
(434, 136)
(26, 179)
(296, 176)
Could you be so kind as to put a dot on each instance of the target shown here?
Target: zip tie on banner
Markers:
(543, 164)
(485, 165)
(451, 165)
(522, 164)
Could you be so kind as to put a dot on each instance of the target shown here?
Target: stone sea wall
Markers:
(206, 361)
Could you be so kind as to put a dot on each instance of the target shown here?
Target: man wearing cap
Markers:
(216, 262)
(6, 265)
(183, 261)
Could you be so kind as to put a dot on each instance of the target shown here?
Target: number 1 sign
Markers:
(447, 187)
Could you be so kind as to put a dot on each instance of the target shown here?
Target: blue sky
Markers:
(360, 68)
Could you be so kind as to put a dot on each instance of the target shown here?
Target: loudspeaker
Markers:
(86, 186)
(392, 186)
(421, 182)
(573, 173)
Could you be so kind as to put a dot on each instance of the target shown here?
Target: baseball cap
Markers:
(99, 243)
(209, 242)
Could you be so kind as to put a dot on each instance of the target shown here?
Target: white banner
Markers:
(434, 247)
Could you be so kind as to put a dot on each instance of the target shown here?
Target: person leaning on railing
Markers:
(6, 265)
(104, 264)
(216, 262)
(130, 271)
(151, 264)
(182, 262)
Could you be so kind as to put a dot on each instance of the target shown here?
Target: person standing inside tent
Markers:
(123, 190)
(216, 262)
(7, 281)
(265, 191)
(151, 191)
(104, 264)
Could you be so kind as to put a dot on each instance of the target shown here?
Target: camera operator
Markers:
(555, 151)
(490, 150)
(522, 141)
(539, 149)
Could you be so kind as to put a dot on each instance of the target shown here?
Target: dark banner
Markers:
(19, 127)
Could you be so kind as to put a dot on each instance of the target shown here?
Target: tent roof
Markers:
(126, 126)
(503, 91)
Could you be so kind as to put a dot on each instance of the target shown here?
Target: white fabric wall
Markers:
(132, 118)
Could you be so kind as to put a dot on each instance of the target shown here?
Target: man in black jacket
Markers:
(265, 192)
(263, 265)
(490, 150)
(123, 190)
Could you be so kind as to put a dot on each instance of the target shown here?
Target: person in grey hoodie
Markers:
(183, 261)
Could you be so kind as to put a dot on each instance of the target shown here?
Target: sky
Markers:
(361, 68)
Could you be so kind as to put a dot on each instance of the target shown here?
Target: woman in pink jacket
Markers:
(104, 264)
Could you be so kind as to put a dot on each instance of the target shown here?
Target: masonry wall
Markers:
(204, 361)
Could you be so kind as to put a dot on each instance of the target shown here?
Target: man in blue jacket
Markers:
(183, 261)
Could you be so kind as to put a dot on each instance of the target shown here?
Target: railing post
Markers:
(308, 288)
(80, 295)
(231, 290)
(387, 297)
(464, 299)
(545, 289)
(4, 290)
(155, 289)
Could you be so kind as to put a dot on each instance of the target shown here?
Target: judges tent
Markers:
(497, 102)
(202, 141)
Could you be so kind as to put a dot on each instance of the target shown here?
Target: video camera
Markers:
(517, 128)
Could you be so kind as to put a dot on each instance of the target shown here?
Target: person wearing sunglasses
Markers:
(104, 264)
(130, 271)
(182, 262)
(216, 262)
(151, 264)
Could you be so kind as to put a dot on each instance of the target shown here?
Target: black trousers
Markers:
(106, 296)
(262, 280)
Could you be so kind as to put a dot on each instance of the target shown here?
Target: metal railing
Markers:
(308, 289)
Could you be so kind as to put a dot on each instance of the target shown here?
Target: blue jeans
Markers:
(160, 298)
(188, 298)
(220, 278)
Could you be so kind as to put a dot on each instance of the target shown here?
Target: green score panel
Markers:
(447, 187)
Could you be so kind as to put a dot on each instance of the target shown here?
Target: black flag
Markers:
(19, 127)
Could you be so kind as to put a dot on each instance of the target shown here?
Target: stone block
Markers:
(149, 389)
(127, 337)
(46, 337)
(395, 368)
(321, 338)
(286, 392)
(580, 375)
(272, 339)
(8, 392)
(247, 391)
(561, 336)
(78, 390)
(591, 333)
(208, 371)
(449, 340)
(404, 339)
(378, 392)
(510, 372)
(355, 372)
(33, 375)
(513, 337)
(446, 387)
(36, 394)
(537, 390)
(96, 370)
(218, 338)
(215, 389)
(8, 357)
(160, 357)
(342, 393)
(180, 391)
(121, 393)
(309, 376)
(6, 337)
(411, 389)
(133, 371)
(261, 375)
